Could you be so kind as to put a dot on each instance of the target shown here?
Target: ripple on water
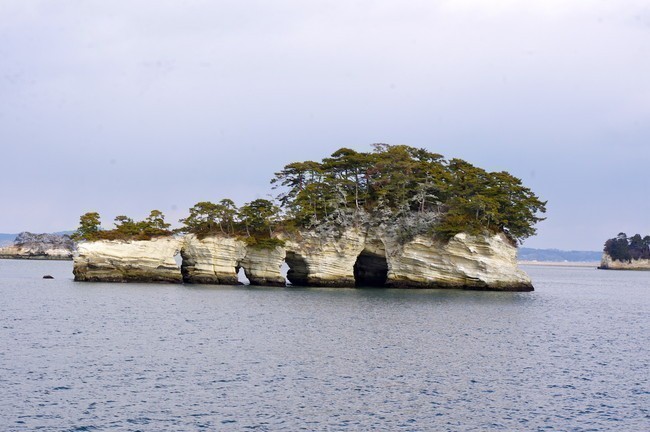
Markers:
(572, 355)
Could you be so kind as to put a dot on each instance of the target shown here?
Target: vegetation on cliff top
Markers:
(125, 228)
(400, 185)
(405, 189)
(624, 248)
(255, 223)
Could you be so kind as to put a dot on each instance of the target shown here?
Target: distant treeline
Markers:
(624, 248)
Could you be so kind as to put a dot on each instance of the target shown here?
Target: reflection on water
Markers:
(573, 355)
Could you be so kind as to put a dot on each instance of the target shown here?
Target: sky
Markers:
(122, 107)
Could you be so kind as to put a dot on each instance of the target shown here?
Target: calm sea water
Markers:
(573, 355)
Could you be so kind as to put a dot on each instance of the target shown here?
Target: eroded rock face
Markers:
(128, 261)
(607, 263)
(325, 262)
(469, 262)
(40, 246)
(262, 266)
(377, 259)
(211, 260)
(217, 260)
(351, 258)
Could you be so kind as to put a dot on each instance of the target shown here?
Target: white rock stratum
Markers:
(211, 260)
(472, 262)
(128, 261)
(352, 258)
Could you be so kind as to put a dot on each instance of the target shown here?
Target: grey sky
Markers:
(125, 106)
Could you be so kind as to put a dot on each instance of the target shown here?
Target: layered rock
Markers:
(378, 259)
(263, 266)
(211, 260)
(608, 263)
(217, 260)
(351, 258)
(128, 261)
(315, 260)
(40, 246)
(469, 262)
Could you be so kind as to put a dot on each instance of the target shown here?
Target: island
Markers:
(39, 246)
(626, 253)
(398, 217)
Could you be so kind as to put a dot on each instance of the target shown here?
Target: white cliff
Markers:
(212, 260)
(262, 266)
(472, 262)
(353, 257)
(315, 260)
(378, 259)
(217, 260)
(128, 261)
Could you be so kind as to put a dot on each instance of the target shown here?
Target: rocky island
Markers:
(395, 217)
(626, 253)
(39, 246)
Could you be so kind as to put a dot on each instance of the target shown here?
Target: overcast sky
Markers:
(125, 106)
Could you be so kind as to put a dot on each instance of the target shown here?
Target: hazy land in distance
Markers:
(528, 255)
(556, 255)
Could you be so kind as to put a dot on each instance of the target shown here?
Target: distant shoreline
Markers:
(592, 264)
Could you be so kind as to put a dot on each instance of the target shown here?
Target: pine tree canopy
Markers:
(411, 190)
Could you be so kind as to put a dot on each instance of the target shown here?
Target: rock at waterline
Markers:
(353, 258)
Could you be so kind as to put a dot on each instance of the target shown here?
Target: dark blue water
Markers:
(573, 355)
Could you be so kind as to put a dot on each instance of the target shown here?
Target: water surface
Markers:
(573, 355)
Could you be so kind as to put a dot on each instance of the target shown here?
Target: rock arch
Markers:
(243, 277)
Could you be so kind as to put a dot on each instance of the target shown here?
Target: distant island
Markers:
(27, 245)
(626, 253)
(398, 216)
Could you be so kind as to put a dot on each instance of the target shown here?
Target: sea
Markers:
(574, 355)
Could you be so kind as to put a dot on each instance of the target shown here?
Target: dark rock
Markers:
(48, 277)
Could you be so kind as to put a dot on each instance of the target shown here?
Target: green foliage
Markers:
(89, 227)
(406, 180)
(208, 218)
(410, 191)
(494, 202)
(255, 222)
(259, 218)
(125, 228)
(263, 243)
(623, 249)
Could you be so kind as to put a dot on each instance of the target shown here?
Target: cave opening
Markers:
(298, 269)
(371, 269)
(241, 275)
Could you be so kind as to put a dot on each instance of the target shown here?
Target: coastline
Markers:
(583, 264)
